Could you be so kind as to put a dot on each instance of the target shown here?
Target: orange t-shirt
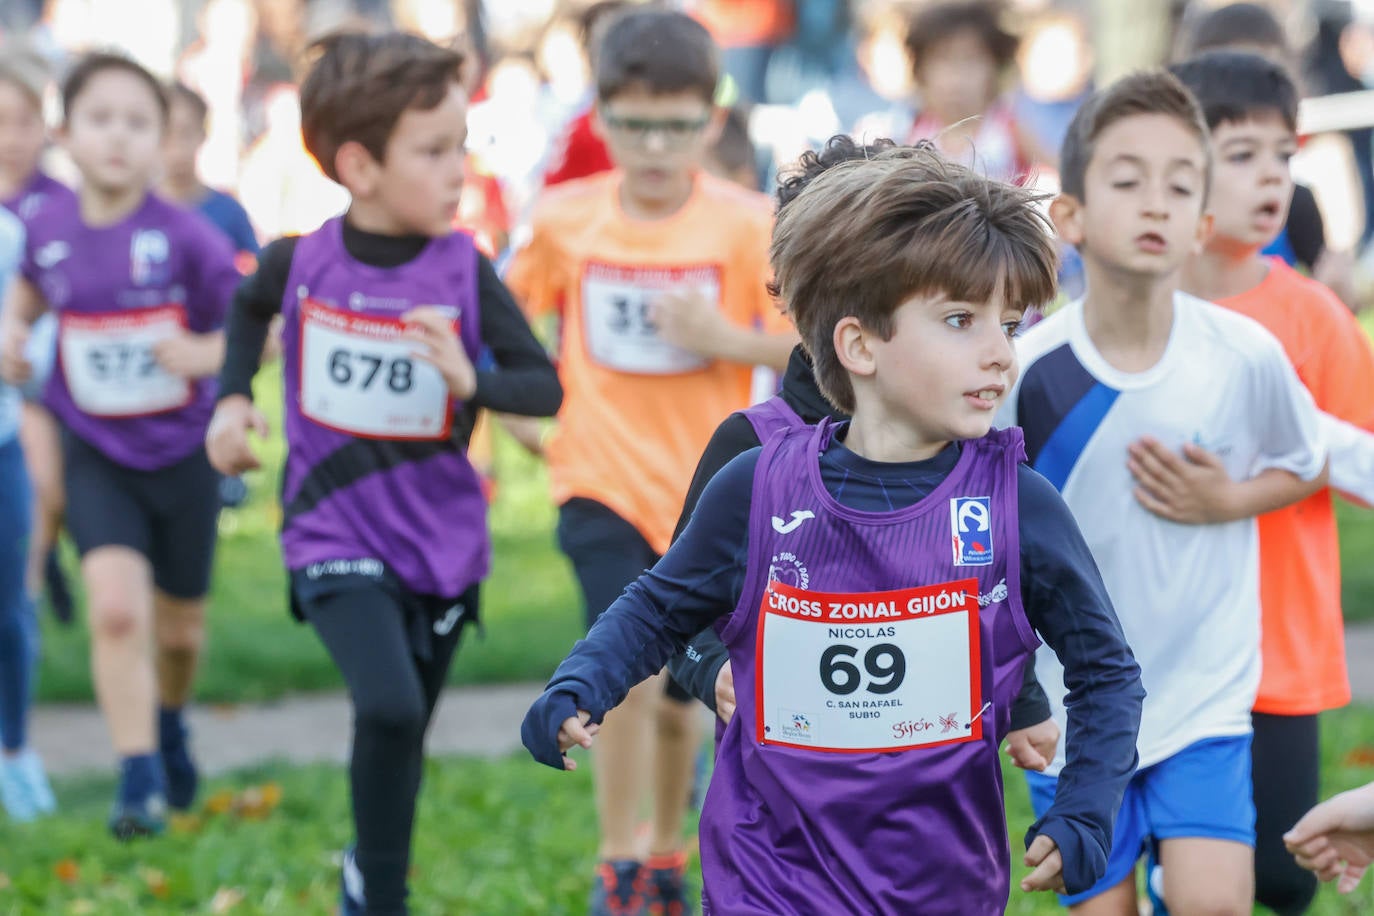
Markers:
(637, 412)
(1303, 641)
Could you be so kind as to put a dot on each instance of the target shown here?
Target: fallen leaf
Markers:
(220, 803)
(257, 802)
(1360, 757)
(155, 881)
(185, 823)
(225, 899)
(67, 871)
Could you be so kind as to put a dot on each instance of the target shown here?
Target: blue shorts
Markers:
(1202, 791)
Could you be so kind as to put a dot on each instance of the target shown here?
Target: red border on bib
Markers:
(95, 321)
(348, 321)
(903, 599)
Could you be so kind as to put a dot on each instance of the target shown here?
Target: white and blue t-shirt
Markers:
(1187, 595)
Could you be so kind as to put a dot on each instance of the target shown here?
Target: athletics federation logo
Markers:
(970, 522)
(148, 254)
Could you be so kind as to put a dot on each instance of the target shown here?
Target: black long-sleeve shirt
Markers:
(702, 575)
(516, 378)
(698, 665)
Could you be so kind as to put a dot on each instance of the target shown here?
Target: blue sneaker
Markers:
(619, 889)
(130, 821)
(15, 793)
(351, 899)
(667, 895)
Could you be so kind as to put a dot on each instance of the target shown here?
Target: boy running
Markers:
(703, 667)
(387, 311)
(1140, 366)
(659, 274)
(880, 583)
(140, 287)
(1251, 107)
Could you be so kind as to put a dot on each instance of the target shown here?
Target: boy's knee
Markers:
(394, 713)
(115, 619)
(1209, 901)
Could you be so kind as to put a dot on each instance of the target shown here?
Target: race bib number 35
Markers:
(869, 672)
(359, 376)
(109, 366)
(620, 333)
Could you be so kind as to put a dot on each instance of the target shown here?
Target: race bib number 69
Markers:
(869, 672)
(359, 376)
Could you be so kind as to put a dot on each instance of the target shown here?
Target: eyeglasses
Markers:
(674, 131)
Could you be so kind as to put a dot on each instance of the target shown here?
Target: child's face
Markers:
(658, 141)
(948, 365)
(185, 134)
(21, 133)
(957, 77)
(420, 183)
(114, 131)
(1251, 183)
(1144, 189)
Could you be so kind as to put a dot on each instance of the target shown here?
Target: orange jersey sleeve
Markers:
(1303, 635)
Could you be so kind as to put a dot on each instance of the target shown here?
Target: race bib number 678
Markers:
(359, 376)
(869, 672)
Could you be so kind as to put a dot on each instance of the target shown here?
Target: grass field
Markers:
(495, 838)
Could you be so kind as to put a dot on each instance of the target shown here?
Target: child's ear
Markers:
(715, 125)
(851, 346)
(1205, 224)
(356, 168)
(1066, 212)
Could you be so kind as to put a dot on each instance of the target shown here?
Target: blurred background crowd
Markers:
(799, 71)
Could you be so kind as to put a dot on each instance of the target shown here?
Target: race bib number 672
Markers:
(869, 672)
(109, 361)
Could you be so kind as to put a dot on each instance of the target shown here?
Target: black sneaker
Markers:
(667, 878)
(131, 821)
(618, 889)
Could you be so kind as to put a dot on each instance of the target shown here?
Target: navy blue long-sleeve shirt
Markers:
(701, 576)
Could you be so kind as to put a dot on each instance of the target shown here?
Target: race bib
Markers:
(358, 376)
(616, 306)
(869, 672)
(109, 366)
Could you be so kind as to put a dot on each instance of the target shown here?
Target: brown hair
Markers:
(940, 22)
(662, 50)
(360, 85)
(1144, 93)
(866, 235)
(94, 64)
(178, 91)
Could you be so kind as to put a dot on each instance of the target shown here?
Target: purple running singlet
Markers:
(861, 773)
(376, 477)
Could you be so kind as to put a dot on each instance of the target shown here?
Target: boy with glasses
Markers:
(658, 273)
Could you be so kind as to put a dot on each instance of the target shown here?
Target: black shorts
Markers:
(170, 515)
(607, 553)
